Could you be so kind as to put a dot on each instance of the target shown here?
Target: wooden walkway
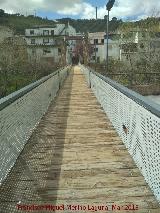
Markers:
(75, 157)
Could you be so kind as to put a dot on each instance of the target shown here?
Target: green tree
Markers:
(2, 13)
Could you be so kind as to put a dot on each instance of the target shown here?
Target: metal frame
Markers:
(141, 100)
(135, 119)
(20, 114)
(6, 101)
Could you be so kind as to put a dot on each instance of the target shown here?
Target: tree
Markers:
(114, 19)
(13, 58)
(2, 13)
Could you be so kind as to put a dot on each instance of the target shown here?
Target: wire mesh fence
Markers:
(20, 113)
(137, 122)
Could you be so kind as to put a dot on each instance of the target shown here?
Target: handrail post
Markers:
(89, 79)
(59, 81)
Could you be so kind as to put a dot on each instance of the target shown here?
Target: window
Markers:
(31, 32)
(93, 58)
(102, 41)
(45, 40)
(141, 45)
(33, 41)
(130, 47)
(95, 49)
(33, 51)
(45, 32)
(95, 41)
(52, 32)
(98, 59)
(46, 51)
(59, 51)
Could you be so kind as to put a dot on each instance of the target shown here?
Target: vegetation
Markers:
(11, 81)
(15, 69)
(20, 23)
(92, 25)
(141, 61)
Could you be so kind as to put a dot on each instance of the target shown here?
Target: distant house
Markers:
(134, 44)
(96, 41)
(48, 42)
(113, 46)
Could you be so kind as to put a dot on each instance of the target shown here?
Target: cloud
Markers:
(75, 9)
(23, 6)
(83, 9)
(128, 8)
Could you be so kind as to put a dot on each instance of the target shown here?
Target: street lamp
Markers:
(95, 47)
(108, 7)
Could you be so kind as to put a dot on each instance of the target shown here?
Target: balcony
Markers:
(45, 44)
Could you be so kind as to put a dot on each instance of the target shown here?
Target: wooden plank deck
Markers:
(75, 157)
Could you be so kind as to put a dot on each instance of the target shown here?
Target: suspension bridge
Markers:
(80, 142)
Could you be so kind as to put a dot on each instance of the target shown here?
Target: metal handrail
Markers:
(136, 121)
(20, 114)
(4, 102)
(141, 100)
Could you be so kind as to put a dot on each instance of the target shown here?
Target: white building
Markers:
(114, 51)
(97, 43)
(48, 42)
(134, 44)
(124, 46)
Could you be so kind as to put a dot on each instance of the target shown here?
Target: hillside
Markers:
(20, 22)
(92, 25)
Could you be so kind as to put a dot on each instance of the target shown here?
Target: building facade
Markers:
(96, 41)
(48, 42)
(114, 51)
(134, 45)
(124, 46)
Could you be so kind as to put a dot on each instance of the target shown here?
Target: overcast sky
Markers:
(125, 9)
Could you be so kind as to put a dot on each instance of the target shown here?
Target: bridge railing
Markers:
(20, 112)
(136, 120)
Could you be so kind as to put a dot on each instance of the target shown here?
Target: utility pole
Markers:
(108, 7)
(96, 13)
(95, 47)
(107, 34)
(35, 13)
